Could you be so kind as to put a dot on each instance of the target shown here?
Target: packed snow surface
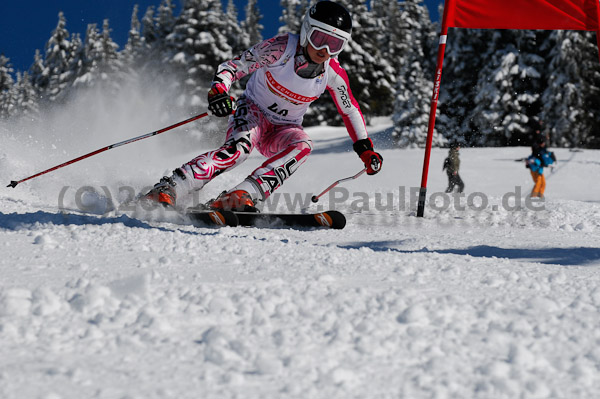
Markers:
(486, 296)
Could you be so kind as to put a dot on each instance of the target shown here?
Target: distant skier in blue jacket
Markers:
(536, 162)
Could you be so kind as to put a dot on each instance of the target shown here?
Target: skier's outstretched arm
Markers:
(338, 86)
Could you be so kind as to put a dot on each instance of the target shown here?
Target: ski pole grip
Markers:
(376, 165)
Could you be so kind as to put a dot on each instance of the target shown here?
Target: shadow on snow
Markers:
(575, 256)
(20, 221)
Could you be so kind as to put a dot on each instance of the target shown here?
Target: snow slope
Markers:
(470, 301)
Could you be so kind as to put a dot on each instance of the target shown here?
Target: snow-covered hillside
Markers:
(475, 300)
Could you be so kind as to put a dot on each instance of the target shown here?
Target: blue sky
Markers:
(26, 25)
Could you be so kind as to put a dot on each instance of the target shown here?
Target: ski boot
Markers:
(237, 200)
(163, 193)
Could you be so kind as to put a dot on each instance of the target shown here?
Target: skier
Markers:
(536, 162)
(537, 138)
(289, 72)
(451, 165)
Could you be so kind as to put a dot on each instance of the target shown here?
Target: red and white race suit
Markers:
(270, 112)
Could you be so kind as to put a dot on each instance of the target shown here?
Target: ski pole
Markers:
(315, 198)
(14, 183)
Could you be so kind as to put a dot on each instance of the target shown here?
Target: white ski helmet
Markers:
(326, 25)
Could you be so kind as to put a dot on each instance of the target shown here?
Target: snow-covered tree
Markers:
(412, 107)
(36, 71)
(236, 35)
(57, 62)
(101, 64)
(6, 85)
(462, 64)
(491, 91)
(571, 100)
(154, 32)
(165, 20)
(75, 61)
(26, 97)
(149, 33)
(414, 76)
(251, 23)
(111, 68)
(6, 71)
(92, 57)
(198, 44)
(371, 74)
(387, 15)
(16, 98)
(135, 47)
(293, 12)
(8, 103)
(509, 89)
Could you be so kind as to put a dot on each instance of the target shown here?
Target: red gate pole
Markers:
(448, 7)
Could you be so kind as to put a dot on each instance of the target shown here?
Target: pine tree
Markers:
(57, 63)
(111, 68)
(570, 109)
(36, 71)
(76, 60)
(154, 33)
(165, 20)
(134, 50)
(6, 70)
(462, 64)
(237, 37)
(102, 64)
(8, 104)
(6, 86)
(149, 33)
(489, 110)
(251, 24)
(387, 15)
(509, 89)
(92, 58)
(591, 75)
(26, 97)
(198, 44)
(415, 77)
(292, 15)
(371, 75)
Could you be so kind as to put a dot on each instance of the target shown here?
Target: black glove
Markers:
(220, 103)
(372, 160)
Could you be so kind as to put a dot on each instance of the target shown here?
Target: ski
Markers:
(212, 217)
(327, 219)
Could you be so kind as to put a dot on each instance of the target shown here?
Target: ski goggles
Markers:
(320, 39)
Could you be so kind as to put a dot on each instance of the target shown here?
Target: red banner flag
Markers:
(524, 14)
(504, 14)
